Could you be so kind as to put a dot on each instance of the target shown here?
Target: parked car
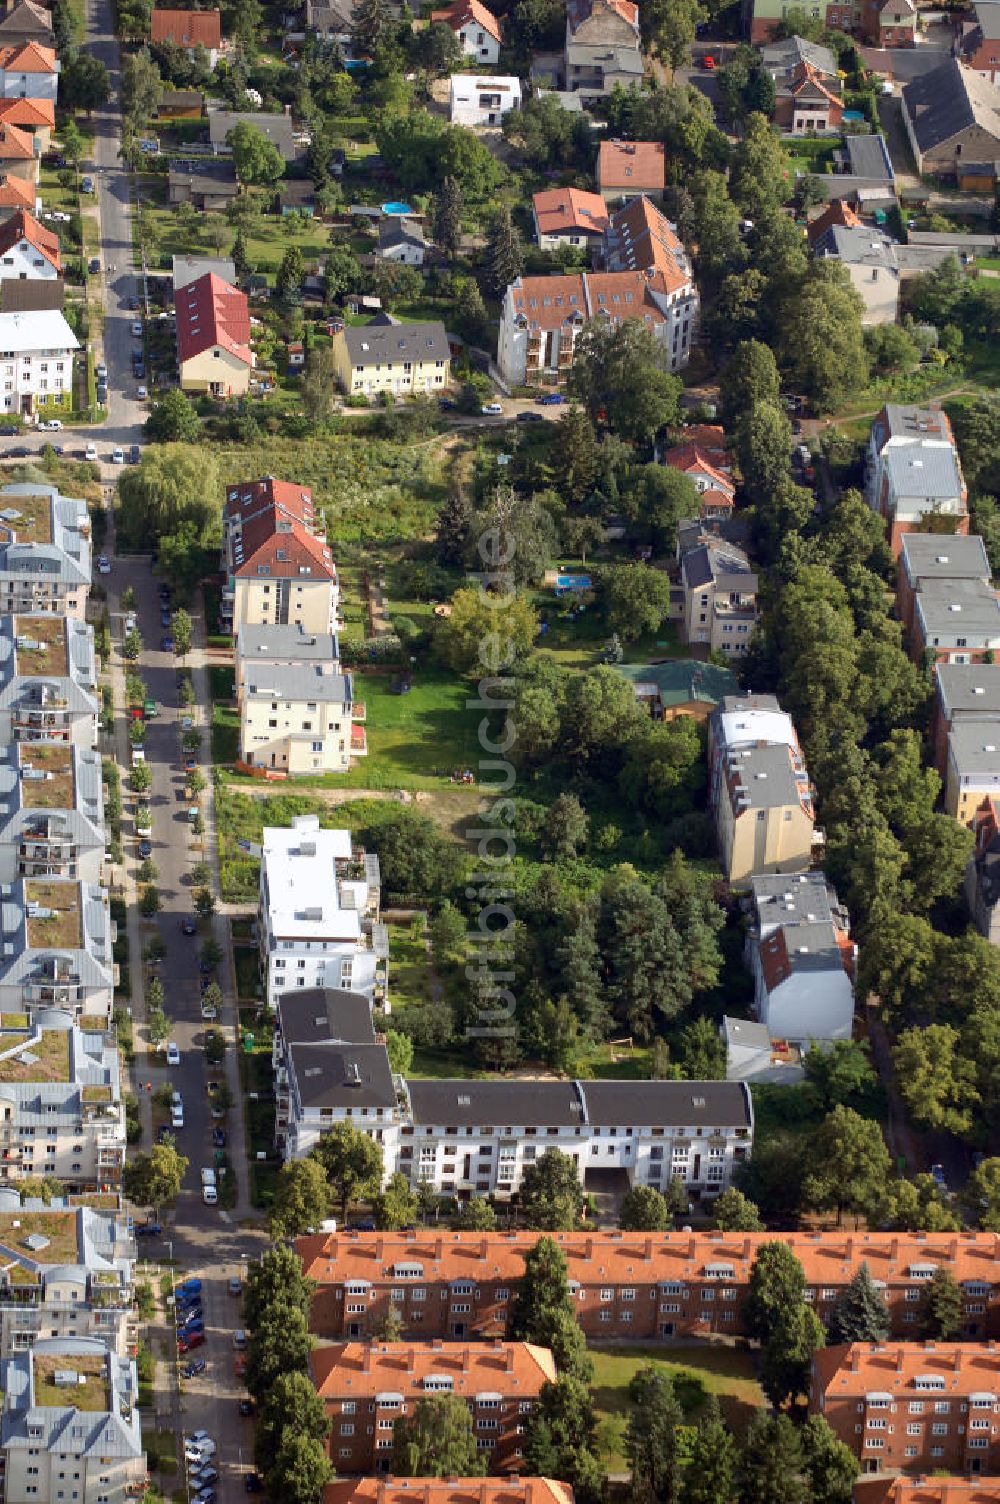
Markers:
(491, 410)
(104, 565)
(51, 425)
(166, 644)
(189, 1287)
(145, 850)
(173, 1054)
(90, 453)
(137, 329)
(188, 926)
(530, 417)
(141, 393)
(192, 1370)
(252, 1483)
(148, 1230)
(93, 266)
(86, 185)
(188, 1343)
(235, 1286)
(117, 456)
(551, 399)
(133, 455)
(219, 1142)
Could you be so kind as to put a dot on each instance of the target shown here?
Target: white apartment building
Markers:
(67, 1272)
(279, 570)
(71, 1424)
(260, 647)
(802, 958)
(318, 913)
(36, 362)
(45, 553)
(469, 1137)
(476, 28)
(48, 680)
(57, 938)
(482, 101)
(296, 718)
(61, 1111)
(51, 812)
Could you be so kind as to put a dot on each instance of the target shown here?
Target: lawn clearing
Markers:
(697, 1371)
(415, 740)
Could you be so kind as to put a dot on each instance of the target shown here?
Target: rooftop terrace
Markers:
(42, 1059)
(53, 915)
(30, 517)
(55, 790)
(91, 1393)
(58, 1228)
(46, 657)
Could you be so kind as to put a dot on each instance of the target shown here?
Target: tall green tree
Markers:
(644, 1209)
(279, 1344)
(301, 1470)
(734, 1212)
(504, 252)
(276, 1279)
(941, 1307)
(373, 25)
(154, 1179)
(302, 1198)
(292, 1405)
(937, 1083)
(352, 1161)
(860, 1314)
(651, 1438)
(560, 1438)
(850, 1164)
(830, 1464)
(257, 160)
(777, 1283)
(619, 376)
(710, 1474)
(772, 1468)
(436, 1440)
(551, 1194)
(446, 222)
(787, 1353)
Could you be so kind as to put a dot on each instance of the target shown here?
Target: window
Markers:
(939, 1428)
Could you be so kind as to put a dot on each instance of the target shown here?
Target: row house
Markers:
(298, 719)
(58, 942)
(718, 605)
(405, 360)
(927, 1490)
(390, 1490)
(932, 559)
(317, 915)
(759, 789)
(543, 317)
(45, 551)
(913, 473)
(912, 1407)
(48, 680)
(366, 1388)
(982, 876)
(61, 1109)
(70, 1423)
(973, 769)
(51, 812)
(955, 621)
(962, 692)
(802, 958)
(67, 1272)
(639, 1285)
(278, 567)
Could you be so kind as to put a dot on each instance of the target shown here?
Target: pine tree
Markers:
(372, 24)
(941, 1307)
(504, 252)
(454, 523)
(772, 1469)
(447, 222)
(241, 262)
(860, 1315)
(651, 1439)
(710, 1475)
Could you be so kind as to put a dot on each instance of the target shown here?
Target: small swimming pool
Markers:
(356, 65)
(852, 116)
(565, 582)
(394, 208)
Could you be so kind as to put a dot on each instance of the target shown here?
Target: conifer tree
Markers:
(504, 252)
(860, 1315)
(447, 222)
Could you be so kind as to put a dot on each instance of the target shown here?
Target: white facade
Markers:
(318, 912)
(477, 42)
(482, 101)
(296, 719)
(48, 680)
(802, 959)
(25, 263)
(18, 84)
(36, 361)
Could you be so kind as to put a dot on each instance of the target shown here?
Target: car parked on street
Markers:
(187, 1344)
(104, 565)
(173, 1054)
(192, 1370)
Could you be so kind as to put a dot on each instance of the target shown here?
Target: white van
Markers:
(209, 1195)
(177, 1117)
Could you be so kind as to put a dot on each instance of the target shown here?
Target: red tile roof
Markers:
(643, 239)
(16, 193)
(641, 165)
(210, 312)
(25, 112)
(837, 212)
(276, 521)
(448, 1491)
(579, 11)
(187, 28)
(363, 1369)
(806, 74)
(861, 1368)
(30, 57)
(246, 501)
(951, 1490)
(691, 459)
(558, 210)
(16, 146)
(548, 302)
(24, 226)
(468, 10)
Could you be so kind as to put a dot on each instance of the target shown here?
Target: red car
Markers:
(708, 63)
(240, 1366)
(186, 1344)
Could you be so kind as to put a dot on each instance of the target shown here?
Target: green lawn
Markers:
(265, 246)
(409, 967)
(697, 1371)
(416, 740)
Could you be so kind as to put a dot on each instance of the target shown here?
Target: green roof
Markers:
(683, 681)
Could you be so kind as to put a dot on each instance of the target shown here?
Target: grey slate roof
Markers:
(767, 777)
(974, 746)
(945, 102)
(813, 948)
(187, 269)
(340, 1074)
(278, 129)
(204, 176)
(276, 643)
(792, 898)
(725, 566)
(745, 1034)
(780, 57)
(553, 1104)
(969, 689)
(927, 556)
(115, 1432)
(316, 1015)
(395, 229)
(67, 559)
(928, 471)
(869, 157)
(298, 682)
(695, 1104)
(378, 342)
(857, 246)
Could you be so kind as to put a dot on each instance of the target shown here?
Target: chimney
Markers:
(848, 1250)
(510, 1358)
(854, 1358)
(588, 1249)
(379, 1249)
(647, 1253)
(411, 1359)
(894, 1249)
(438, 1247)
(366, 1365)
(899, 1360)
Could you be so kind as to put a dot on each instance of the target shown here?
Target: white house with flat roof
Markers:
(36, 362)
(296, 717)
(482, 101)
(318, 912)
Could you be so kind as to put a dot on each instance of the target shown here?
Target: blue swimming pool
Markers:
(854, 116)
(566, 582)
(394, 208)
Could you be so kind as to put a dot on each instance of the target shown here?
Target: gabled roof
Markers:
(365, 1370)
(276, 538)
(383, 339)
(28, 57)
(457, 15)
(785, 55)
(560, 210)
(396, 230)
(579, 12)
(210, 312)
(689, 459)
(15, 145)
(187, 28)
(640, 238)
(549, 302)
(462, 1491)
(27, 112)
(806, 77)
(24, 226)
(639, 165)
(945, 102)
(837, 212)
(25, 17)
(16, 193)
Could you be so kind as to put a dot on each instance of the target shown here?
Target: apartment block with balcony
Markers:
(277, 565)
(61, 1109)
(955, 621)
(45, 552)
(719, 585)
(912, 1407)
(67, 1272)
(759, 789)
(367, 1387)
(913, 473)
(318, 913)
(260, 647)
(298, 719)
(58, 937)
(70, 1404)
(51, 812)
(635, 1285)
(48, 680)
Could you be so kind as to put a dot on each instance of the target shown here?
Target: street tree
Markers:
(651, 1443)
(760, 169)
(734, 1212)
(436, 1440)
(280, 1343)
(154, 1179)
(141, 87)
(982, 1194)
(204, 903)
(936, 1081)
(643, 1209)
(860, 1314)
(762, 442)
(302, 1198)
(618, 374)
(395, 1207)
(275, 1279)
(551, 1195)
(918, 1205)
(353, 1163)
(301, 1471)
(291, 1407)
(83, 83)
(182, 628)
(942, 1310)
